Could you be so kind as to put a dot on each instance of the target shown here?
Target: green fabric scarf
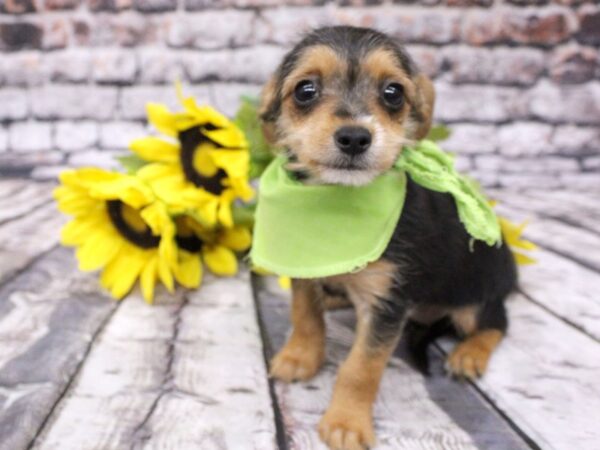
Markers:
(308, 231)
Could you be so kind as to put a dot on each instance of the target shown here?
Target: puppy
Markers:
(343, 103)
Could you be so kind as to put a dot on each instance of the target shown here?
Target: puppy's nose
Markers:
(353, 140)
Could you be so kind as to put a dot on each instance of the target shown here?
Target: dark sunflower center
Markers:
(130, 224)
(190, 139)
(186, 238)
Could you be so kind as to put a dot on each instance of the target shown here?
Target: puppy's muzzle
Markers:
(352, 140)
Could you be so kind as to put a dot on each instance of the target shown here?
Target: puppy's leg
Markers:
(348, 422)
(484, 327)
(303, 354)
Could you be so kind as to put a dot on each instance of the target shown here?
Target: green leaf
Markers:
(261, 153)
(439, 133)
(131, 163)
(244, 214)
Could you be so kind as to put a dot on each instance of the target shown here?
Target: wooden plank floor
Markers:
(80, 371)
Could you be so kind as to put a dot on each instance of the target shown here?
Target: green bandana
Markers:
(313, 231)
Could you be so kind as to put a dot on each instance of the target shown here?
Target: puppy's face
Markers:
(343, 102)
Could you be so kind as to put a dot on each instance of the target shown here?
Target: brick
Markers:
(74, 102)
(212, 29)
(478, 103)
(73, 136)
(226, 96)
(25, 137)
(155, 5)
(488, 163)
(18, 6)
(23, 68)
(589, 25)
(571, 139)
(420, 26)
(278, 26)
(528, 180)
(487, 179)
(127, 29)
(95, 158)
(588, 182)
(545, 26)
(109, 5)
(14, 104)
(61, 4)
(592, 163)
(428, 59)
(198, 5)
(579, 103)
(471, 139)
(56, 33)
(20, 35)
(546, 165)
(463, 163)
(525, 138)
(158, 66)
(469, 3)
(573, 64)
(118, 135)
(254, 65)
(3, 140)
(521, 66)
(71, 66)
(114, 66)
(207, 66)
(528, 2)
(133, 100)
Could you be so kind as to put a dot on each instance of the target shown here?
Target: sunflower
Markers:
(200, 166)
(216, 247)
(119, 226)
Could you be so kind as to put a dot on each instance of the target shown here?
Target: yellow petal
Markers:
(148, 279)
(236, 238)
(120, 274)
(76, 231)
(162, 119)
(523, 260)
(285, 283)
(155, 149)
(165, 275)
(235, 163)
(219, 260)
(98, 249)
(188, 272)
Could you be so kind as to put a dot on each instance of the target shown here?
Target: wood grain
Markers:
(572, 242)
(411, 412)
(48, 318)
(188, 372)
(22, 240)
(544, 376)
(24, 199)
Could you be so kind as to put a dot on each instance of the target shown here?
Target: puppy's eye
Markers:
(305, 92)
(393, 95)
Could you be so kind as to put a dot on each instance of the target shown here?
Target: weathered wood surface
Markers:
(573, 242)
(544, 376)
(49, 316)
(80, 371)
(24, 239)
(411, 412)
(188, 372)
(22, 197)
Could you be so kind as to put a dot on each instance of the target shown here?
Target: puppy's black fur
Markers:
(440, 264)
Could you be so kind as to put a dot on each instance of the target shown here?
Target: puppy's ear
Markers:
(423, 105)
(268, 109)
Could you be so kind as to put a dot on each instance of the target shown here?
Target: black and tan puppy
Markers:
(343, 102)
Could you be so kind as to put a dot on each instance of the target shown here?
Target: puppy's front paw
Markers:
(295, 362)
(347, 430)
(467, 361)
